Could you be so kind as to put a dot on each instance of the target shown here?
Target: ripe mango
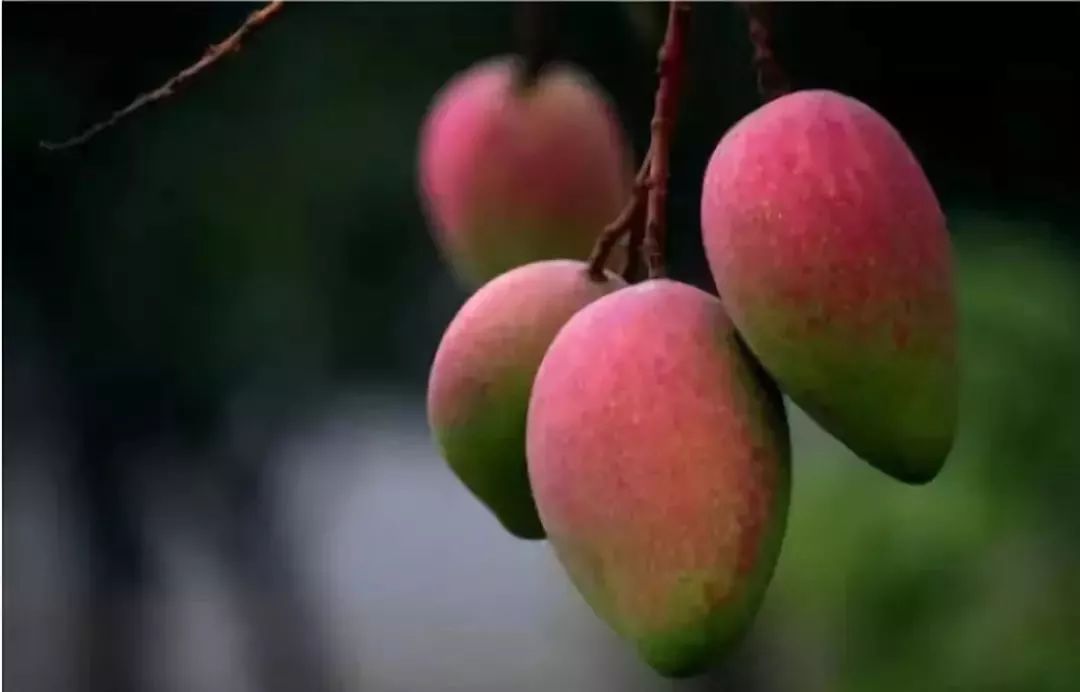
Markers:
(512, 174)
(659, 457)
(483, 372)
(831, 254)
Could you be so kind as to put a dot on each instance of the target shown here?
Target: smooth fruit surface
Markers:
(512, 174)
(482, 375)
(831, 254)
(658, 453)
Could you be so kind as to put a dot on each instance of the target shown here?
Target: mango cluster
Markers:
(641, 429)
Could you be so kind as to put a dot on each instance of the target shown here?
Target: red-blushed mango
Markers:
(831, 254)
(659, 458)
(512, 174)
(480, 381)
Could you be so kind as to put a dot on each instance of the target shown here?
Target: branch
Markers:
(632, 268)
(771, 79)
(670, 70)
(643, 217)
(629, 218)
(212, 55)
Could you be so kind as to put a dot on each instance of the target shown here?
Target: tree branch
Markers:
(670, 71)
(630, 217)
(643, 217)
(212, 55)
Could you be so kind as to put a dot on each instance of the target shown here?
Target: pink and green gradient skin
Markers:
(831, 254)
(511, 175)
(480, 381)
(659, 457)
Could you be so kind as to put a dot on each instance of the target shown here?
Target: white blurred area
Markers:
(416, 586)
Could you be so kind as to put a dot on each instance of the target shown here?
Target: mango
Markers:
(482, 375)
(659, 458)
(831, 254)
(511, 174)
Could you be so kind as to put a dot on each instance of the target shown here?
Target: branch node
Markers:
(671, 58)
(643, 217)
(627, 221)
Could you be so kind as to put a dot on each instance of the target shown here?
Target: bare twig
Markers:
(771, 79)
(212, 55)
(632, 268)
(632, 215)
(670, 71)
(644, 215)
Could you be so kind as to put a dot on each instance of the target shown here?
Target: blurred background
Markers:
(219, 316)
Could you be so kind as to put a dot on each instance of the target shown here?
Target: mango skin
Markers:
(510, 176)
(830, 251)
(482, 375)
(659, 458)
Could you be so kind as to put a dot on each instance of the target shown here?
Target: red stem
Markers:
(628, 219)
(670, 70)
(211, 56)
(644, 215)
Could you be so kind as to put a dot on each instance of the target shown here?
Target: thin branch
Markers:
(670, 70)
(643, 217)
(771, 79)
(212, 55)
(630, 216)
(632, 268)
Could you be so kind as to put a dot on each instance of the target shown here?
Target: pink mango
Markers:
(659, 459)
(483, 372)
(512, 174)
(831, 254)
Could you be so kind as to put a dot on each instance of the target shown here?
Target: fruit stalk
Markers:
(535, 40)
(643, 217)
(631, 219)
(669, 70)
